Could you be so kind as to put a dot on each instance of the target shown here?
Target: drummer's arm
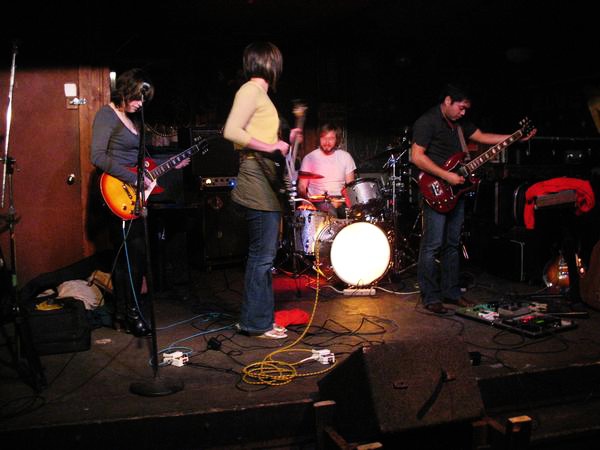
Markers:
(350, 177)
(303, 188)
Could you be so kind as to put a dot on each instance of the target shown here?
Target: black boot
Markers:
(136, 325)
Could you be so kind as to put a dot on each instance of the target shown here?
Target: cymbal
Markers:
(324, 198)
(387, 152)
(309, 175)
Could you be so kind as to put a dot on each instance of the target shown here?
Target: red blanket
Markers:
(585, 196)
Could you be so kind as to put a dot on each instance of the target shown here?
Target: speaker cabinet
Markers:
(403, 386)
(224, 231)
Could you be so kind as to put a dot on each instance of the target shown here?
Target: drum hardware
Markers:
(406, 246)
(402, 249)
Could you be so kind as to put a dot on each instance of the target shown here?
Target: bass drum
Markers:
(359, 254)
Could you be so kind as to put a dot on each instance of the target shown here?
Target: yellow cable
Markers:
(275, 372)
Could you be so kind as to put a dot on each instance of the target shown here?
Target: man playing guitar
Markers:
(438, 134)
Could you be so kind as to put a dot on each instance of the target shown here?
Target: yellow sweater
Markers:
(253, 115)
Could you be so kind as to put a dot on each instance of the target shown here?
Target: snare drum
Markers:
(307, 224)
(359, 254)
(365, 197)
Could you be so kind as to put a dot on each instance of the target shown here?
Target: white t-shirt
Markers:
(333, 167)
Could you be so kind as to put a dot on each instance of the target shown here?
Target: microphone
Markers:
(145, 88)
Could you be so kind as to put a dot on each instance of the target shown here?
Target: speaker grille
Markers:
(398, 387)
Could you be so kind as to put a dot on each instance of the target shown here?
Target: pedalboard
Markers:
(527, 318)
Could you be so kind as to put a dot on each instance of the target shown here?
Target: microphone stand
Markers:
(157, 386)
(32, 371)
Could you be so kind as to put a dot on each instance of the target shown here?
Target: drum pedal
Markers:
(359, 292)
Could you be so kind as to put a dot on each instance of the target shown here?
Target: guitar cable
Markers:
(128, 262)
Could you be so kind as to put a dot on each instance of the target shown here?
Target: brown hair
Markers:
(130, 85)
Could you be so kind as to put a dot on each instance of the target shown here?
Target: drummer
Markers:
(325, 172)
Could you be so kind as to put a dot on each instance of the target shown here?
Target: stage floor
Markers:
(87, 402)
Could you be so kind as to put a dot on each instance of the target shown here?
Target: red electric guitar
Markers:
(442, 196)
(121, 197)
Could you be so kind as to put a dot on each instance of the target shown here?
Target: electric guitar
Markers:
(121, 197)
(441, 195)
(284, 176)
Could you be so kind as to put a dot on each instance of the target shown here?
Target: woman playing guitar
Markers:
(115, 151)
(253, 126)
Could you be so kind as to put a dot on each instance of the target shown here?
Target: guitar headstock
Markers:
(299, 110)
(527, 126)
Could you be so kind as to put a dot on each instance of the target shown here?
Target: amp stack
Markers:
(222, 237)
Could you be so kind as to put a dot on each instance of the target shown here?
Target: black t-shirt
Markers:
(440, 140)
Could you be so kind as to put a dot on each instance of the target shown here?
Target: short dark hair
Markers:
(456, 92)
(129, 86)
(264, 60)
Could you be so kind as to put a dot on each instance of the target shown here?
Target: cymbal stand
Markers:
(25, 357)
(391, 163)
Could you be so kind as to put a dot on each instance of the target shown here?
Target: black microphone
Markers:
(145, 88)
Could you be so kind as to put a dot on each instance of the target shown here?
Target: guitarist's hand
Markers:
(531, 134)
(296, 135)
(282, 146)
(147, 182)
(454, 178)
(183, 163)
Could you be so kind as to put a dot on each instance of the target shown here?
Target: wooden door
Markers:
(49, 141)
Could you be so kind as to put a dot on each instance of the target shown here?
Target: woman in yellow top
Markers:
(253, 126)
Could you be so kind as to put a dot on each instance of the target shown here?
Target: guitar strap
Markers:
(461, 138)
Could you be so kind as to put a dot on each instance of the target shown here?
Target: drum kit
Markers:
(378, 236)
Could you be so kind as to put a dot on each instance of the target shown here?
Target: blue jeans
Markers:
(257, 314)
(441, 239)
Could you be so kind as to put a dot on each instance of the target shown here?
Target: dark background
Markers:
(375, 65)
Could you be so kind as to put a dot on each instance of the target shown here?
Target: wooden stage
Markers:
(88, 404)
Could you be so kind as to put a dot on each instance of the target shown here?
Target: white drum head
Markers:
(360, 254)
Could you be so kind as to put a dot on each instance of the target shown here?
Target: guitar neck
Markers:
(480, 160)
(291, 156)
(171, 163)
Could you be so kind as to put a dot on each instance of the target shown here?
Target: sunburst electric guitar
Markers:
(442, 196)
(121, 197)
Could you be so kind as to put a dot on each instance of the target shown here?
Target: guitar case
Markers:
(58, 326)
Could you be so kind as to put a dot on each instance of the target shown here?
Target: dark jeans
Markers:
(257, 313)
(440, 240)
(127, 285)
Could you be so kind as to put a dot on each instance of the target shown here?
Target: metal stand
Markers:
(402, 246)
(24, 356)
(157, 386)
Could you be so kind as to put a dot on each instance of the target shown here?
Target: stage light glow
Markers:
(360, 254)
